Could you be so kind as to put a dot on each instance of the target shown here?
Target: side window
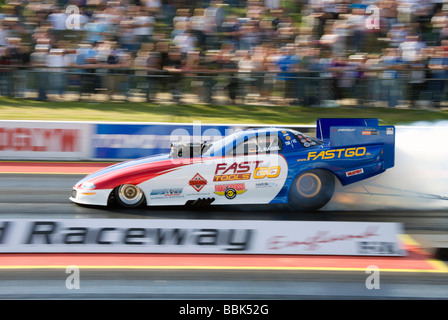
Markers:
(259, 144)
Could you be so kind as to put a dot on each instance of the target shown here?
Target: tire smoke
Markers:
(418, 181)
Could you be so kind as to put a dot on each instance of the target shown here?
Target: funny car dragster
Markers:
(253, 166)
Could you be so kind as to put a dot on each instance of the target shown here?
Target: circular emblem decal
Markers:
(230, 193)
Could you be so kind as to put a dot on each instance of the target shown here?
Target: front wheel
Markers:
(311, 190)
(129, 196)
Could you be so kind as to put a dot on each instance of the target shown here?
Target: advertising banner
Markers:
(44, 140)
(130, 141)
(200, 237)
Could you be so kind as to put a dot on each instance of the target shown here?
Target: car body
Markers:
(253, 166)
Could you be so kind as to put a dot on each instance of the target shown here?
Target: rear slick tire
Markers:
(311, 190)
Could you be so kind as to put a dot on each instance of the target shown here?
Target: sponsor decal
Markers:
(230, 193)
(265, 185)
(269, 172)
(320, 238)
(268, 149)
(354, 172)
(241, 171)
(370, 133)
(230, 190)
(232, 177)
(234, 171)
(344, 130)
(337, 153)
(242, 167)
(197, 182)
(389, 131)
(378, 247)
(167, 192)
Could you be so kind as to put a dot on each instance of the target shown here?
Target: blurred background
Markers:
(387, 53)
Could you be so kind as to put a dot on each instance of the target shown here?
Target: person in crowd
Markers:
(411, 48)
(4, 34)
(211, 68)
(153, 64)
(95, 30)
(357, 26)
(288, 65)
(38, 61)
(326, 77)
(198, 27)
(127, 38)
(86, 59)
(142, 66)
(58, 19)
(18, 59)
(397, 35)
(173, 67)
(259, 71)
(438, 70)
(143, 26)
(5, 72)
(228, 69)
(249, 35)
(392, 77)
(230, 30)
(186, 42)
(56, 67)
(372, 78)
(245, 76)
(182, 15)
(214, 17)
(112, 64)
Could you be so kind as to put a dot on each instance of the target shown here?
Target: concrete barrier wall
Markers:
(48, 140)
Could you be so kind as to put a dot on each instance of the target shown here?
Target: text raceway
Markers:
(87, 141)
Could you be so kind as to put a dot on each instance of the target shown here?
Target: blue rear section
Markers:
(356, 132)
(352, 149)
(324, 125)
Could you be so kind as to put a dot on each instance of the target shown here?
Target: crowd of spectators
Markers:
(308, 52)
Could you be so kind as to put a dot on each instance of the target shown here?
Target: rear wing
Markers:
(347, 132)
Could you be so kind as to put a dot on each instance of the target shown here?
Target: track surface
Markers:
(27, 194)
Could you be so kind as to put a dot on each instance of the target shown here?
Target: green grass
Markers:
(11, 109)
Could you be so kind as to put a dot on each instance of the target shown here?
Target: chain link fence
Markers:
(305, 88)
